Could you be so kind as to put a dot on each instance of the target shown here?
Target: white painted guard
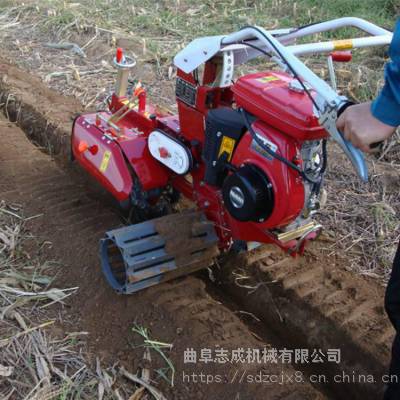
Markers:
(169, 152)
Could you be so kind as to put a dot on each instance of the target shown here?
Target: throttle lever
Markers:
(328, 121)
(343, 108)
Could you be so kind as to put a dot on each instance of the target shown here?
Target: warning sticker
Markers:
(343, 44)
(266, 79)
(227, 146)
(105, 161)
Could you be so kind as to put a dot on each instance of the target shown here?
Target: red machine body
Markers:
(113, 146)
(288, 109)
(110, 158)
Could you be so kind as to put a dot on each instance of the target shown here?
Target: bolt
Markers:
(201, 183)
(206, 204)
(214, 163)
(261, 220)
(219, 134)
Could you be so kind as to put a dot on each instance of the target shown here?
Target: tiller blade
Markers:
(145, 254)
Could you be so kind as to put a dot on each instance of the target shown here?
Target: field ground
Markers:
(64, 333)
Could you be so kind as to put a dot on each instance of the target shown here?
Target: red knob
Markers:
(82, 146)
(341, 56)
(119, 55)
(164, 153)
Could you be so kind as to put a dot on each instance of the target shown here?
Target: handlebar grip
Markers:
(355, 155)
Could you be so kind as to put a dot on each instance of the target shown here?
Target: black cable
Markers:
(256, 48)
(324, 156)
(317, 186)
(275, 155)
(286, 62)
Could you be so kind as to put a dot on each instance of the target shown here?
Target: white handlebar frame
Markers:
(378, 36)
(361, 24)
(280, 43)
(288, 54)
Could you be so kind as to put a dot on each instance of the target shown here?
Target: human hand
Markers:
(361, 128)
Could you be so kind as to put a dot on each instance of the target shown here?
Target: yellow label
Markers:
(266, 79)
(105, 161)
(343, 44)
(227, 146)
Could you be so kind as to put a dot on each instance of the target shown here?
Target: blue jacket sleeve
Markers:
(386, 106)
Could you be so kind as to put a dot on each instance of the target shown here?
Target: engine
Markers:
(266, 155)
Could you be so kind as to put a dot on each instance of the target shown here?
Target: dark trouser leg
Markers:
(392, 305)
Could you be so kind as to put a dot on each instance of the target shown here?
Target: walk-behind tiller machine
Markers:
(249, 153)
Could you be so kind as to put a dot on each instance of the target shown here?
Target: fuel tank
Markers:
(279, 100)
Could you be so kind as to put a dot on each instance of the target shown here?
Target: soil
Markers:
(308, 302)
(44, 117)
(313, 300)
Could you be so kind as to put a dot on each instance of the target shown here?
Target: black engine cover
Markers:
(248, 194)
(224, 128)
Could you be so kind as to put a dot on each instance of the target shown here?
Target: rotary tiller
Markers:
(248, 152)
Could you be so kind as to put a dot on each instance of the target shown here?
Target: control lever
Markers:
(337, 56)
(343, 108)
(328, 117)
